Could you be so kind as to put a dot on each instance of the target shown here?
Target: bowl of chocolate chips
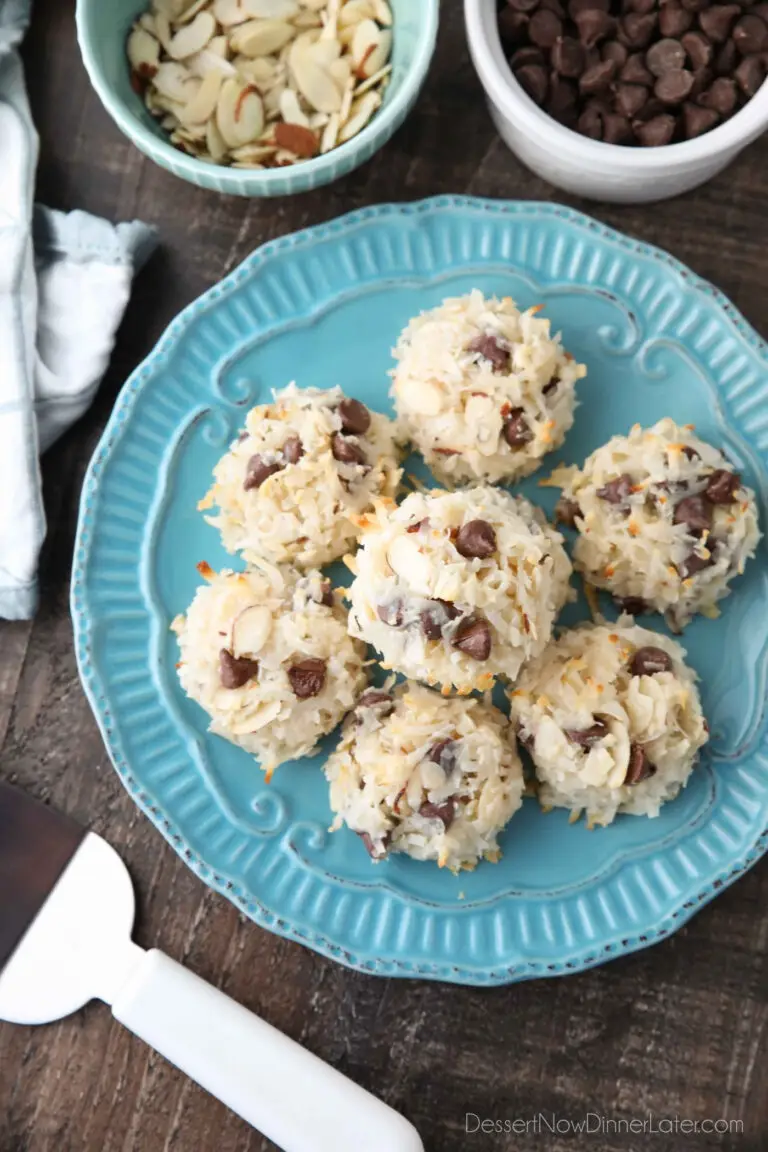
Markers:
(623, 100)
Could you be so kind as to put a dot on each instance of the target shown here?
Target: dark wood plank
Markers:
(680, 1029)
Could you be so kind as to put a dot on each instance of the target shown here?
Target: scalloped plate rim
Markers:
(478, 975)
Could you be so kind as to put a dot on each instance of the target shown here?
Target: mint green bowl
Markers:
(102, 28)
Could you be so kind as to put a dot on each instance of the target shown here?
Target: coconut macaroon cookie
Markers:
(455, 588)
(433, 777)
(483, 390)
(289, 488)
(266, 653)
(612, 719)
(664, 521)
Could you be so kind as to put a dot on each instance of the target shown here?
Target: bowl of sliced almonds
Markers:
(258, 97)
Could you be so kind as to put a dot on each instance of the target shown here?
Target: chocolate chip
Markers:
(630, 98)
(376, 850)
(674, 20)
(694, 5)
(562, 101)
(637, 29)
(473, 638)
(391, 613)
(694, 563)
(597, 78)
(726, 59)
(476, 540)
(446, 754)
(527, 55)
(649, 661)
(617, 491)
(635, 71)
(577, 6)
(375, 698)
(665, 56)
(587, 737)
(446, 812)
(257, 470)
(656, 132)
(639, 767)
(694, 512)
(516, 429)
(523, 5)
(293, 450)
(633, 605)
(553, 6)
(716, 22)
(488, 345)
(345, 451)
(698, 120)
(566, 512)
(568, 57)
(307, 678)
(513, 27)
(544, 28)
(616, 129)
(235, 671)
(355, 417)
(594, 26)
(435, 616)
(533, 79)
(723, 486)
(702, 79)
(750, 35)
(721, 97)
(750, 75)
(641, 6)
(616, 52)
(590, 123)
(674, 87)
(698, 50)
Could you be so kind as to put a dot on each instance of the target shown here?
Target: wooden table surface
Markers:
(680, 1029)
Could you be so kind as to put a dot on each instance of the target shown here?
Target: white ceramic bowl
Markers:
(588, 167)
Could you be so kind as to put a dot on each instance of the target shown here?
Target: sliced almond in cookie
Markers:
(425, 397)
(410, 564)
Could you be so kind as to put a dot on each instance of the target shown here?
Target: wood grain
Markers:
(680, 1029)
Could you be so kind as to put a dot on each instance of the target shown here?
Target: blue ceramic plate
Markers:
(325, 307)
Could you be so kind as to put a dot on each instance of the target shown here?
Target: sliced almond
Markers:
(215, 141)
(209, 61)
(260, 72)
(307, 19)
(425, 398)
(297, 139)
(203, 104)
(251, 629)
(143, 53)
(239, 113)
(378, 78)
(324, 52)
(169, 8)
(330, 134)
(315, 84)
(220, 47)
(371, 47)
(174, 81)
(341, 72)
(360, 113)
(261, 37)
(190, 12)
(290, 109)
(147, 22)
(356, 10)
(382, 13)
(163, 30)
(193, 37)
(272, 9)
(229, 12)
(346, 101)
(319, 119)
(254, 152)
